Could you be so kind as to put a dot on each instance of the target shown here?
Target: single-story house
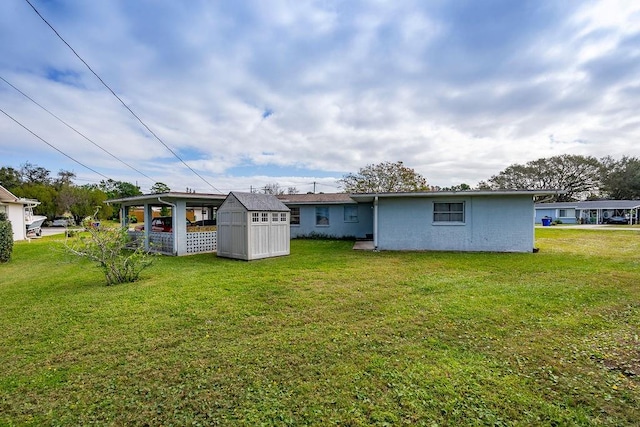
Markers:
(253, 226)
(335, 215)
(589, 211)
(476, 220)
(16, 209)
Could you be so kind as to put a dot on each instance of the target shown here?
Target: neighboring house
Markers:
(590, 211)
(14, 207)
(332, 215)
(253, 226)
(493, 221)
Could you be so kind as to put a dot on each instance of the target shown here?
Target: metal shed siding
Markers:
(337, 227)
(496, 224)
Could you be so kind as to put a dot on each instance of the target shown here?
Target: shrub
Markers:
(107, 247)
(323, 236)
(6, 238)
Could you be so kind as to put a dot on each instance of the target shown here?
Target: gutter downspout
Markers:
(174, 228)
(375, 223)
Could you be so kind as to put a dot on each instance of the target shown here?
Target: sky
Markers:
(243, 94)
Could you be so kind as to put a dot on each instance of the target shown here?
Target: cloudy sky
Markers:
(295, 92)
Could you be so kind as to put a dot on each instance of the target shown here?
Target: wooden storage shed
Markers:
(253, 226)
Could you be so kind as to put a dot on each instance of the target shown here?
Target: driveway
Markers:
(592, 227)
(50, 231)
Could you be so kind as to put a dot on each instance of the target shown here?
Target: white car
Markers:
(61, 222)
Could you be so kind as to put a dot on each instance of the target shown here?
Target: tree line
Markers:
(579, 178)
(59, 195)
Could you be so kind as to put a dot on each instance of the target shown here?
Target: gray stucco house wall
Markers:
(500, 222)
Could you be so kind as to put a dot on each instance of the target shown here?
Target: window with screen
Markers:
(350, 214)
(448, 212)
(295, 216)
(322, 215)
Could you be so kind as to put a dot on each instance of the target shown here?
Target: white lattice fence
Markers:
(161, 242)
(202, 241)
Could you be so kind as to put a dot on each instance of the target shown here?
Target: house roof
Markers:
(7, 196)
(367, 197)
(314, 199)
(592, 204)
(259, 202)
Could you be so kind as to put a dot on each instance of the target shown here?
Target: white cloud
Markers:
(456, 91)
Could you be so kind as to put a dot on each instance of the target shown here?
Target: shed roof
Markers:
(259, 202)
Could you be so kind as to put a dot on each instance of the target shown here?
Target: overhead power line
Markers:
(119, 99)
(76, 131)
(52, 146)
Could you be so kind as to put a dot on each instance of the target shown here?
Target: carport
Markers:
(182, 239)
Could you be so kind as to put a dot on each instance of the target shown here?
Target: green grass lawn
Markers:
(328, 336)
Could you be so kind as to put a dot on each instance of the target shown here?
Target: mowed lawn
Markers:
(328, 336)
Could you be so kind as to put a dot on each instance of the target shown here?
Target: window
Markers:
(322, 215)
(566, 213)
(295, 216)
(255, 217)
(351, 214)
(448, 212)
(265, 216)
(283, 217)
(274, 217)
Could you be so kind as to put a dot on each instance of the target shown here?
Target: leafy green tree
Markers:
(87, 199)
(10, 178)
(577, 176)
(118, 189)
(384, 177)
(621, 178)
(160, 187)
(45, 193)
(460, 187)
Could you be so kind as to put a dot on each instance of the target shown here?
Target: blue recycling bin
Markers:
(546, 222)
